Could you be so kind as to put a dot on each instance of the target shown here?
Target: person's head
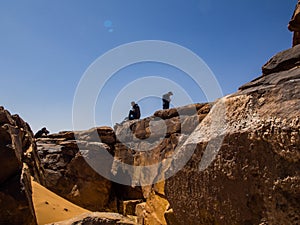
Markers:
(132, 103)
(44, 129)
(170, 93)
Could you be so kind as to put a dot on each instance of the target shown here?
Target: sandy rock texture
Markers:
(149, 146)
(61, 164)
(234, 161)
(16, 138)
(97, 218)
(249, 171)
(71, 164)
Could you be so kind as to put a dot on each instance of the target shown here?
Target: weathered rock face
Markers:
(149, 142)
(65, 170)
(282, 61)
(251, 176)
(240, 158)
(64, 165)
(98, 218)
(15, 185)
(294, 25)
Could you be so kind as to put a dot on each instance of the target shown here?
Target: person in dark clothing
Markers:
(135, 112)
(166, 98)
(41, 132)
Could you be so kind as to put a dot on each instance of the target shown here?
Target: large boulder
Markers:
(66, 164)
(245, 170)
(143, 145)
(16, 138)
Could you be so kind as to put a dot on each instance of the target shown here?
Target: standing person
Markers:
(294, 25)
(135, 112)
(166, 98)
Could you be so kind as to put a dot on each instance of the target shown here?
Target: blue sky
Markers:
(46, 47)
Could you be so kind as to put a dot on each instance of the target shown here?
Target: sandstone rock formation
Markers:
(153, 142)
(252, 176)
(69, 164)
(283, 61)
(240, 158)
(98, 218)
(15, 186)
(62, 168)
(234, 161)
(294, 25)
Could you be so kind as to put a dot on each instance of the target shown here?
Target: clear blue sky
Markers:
(46, 46)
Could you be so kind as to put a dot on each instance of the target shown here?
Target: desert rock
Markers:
(15, 186)
(97, 218)
(67, 167)
(252, 175)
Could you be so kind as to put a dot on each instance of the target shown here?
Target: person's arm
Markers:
(137, 112)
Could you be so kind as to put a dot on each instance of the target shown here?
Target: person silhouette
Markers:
(166, 98)
(41, 132)
(135, 112)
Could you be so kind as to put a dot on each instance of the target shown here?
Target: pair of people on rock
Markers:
(135, 112)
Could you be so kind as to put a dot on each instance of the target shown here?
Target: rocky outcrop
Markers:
(15, 185)
(98, 218)
(235, 161)
(64, 169)
(62, 162)
(294, 25)
(248, 172)
(148, 146)
(282, 61)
